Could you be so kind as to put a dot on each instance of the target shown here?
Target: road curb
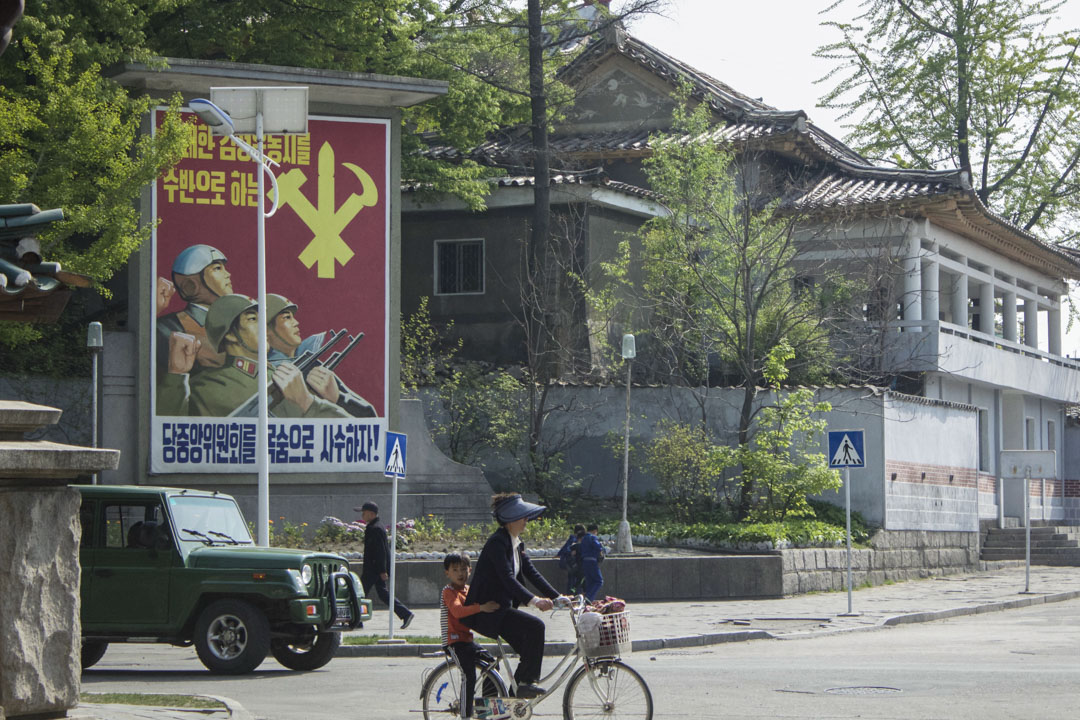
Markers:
(686, 641)
(978, 609)
(236, 710)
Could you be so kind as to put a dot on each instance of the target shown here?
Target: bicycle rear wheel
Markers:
(441, 694)
(608, 689)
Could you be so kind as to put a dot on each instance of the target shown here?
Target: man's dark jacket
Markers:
(376, 551)
(494, 577)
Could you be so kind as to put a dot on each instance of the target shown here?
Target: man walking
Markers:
(376, 569)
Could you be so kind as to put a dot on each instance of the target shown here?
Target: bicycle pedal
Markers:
(501, 709)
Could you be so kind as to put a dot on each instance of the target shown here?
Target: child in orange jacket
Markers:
(455, 635)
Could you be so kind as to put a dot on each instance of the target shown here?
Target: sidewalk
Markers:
(101, 711)
(655, 626)
(685, 624)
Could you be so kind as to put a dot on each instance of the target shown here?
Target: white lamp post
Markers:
(95, 343)
(623, 542)
(261, 110)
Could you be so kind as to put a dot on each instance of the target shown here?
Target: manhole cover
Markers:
(863, 690)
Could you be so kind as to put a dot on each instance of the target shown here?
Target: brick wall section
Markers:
(987, 483)
(1072, 488)
(930, 474)
(894, 555)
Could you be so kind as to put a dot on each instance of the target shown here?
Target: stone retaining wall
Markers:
(898, 555)
(894, 555)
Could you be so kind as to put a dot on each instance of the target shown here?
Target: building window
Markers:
(459, 267)
(1051, 435)
(1029, 434)
(984, 440)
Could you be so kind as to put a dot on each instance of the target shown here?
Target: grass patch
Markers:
(409, 639)
(184, 701)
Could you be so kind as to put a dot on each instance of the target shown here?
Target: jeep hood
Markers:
(249, 556)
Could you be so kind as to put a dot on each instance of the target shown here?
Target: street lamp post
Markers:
(94, 343)
(623, 542)
(262, 110)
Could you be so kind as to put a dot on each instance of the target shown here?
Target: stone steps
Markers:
(1050, 545)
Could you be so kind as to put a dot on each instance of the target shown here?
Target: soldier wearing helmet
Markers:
(285, 343)
(232, 329)
(200, 277)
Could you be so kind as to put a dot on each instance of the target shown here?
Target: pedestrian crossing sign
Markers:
(396, 444)
(846, 449)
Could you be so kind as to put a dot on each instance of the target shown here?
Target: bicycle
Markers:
(602, 685)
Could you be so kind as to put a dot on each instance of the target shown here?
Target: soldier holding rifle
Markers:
(286, 345)
(232, 328)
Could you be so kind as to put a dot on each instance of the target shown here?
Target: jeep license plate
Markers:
(343, 612)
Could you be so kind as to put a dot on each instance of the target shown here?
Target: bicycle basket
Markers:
(610, 638)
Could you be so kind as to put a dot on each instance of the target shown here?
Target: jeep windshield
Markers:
(208, 520)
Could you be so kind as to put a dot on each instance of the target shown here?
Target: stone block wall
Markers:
(709, 577)
(894, 555)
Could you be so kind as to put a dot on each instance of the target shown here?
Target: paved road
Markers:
(1021, 663)
(386, 687)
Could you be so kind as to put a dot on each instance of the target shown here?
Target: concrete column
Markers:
(912, 300)
(39, 563)
(931, 290)
(1031, 322)
(1053, 330)
(986, 308)
(1008, 315)
(960, 301)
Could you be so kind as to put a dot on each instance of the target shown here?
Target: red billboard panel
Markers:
(327, 288)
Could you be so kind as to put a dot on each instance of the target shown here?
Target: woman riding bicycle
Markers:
(499, 574)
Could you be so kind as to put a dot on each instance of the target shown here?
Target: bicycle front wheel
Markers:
(441, 694)
(608, 689)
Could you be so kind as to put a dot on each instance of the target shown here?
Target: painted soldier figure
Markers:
(285, 344)
(232, 329)
(200, 277)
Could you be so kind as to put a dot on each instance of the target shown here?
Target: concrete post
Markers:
(987, 312)
(912, 300)
(960, 301)
(40, 634)
(931, 290)
(1008, 315)
(1053, 330)
(1031, 322)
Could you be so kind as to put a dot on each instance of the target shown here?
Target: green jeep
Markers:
(176, 566)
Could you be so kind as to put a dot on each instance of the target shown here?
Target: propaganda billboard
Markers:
(327, 287)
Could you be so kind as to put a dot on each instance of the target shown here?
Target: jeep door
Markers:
(133, 554)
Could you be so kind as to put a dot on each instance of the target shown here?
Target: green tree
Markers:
(719, 287)
(689, 469)
(393, 37)
(70, 138)
(784, 458)
(980, 85)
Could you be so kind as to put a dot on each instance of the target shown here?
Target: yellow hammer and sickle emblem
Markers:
(327, 248)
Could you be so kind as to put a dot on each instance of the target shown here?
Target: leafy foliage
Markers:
(688, 468)
(790, 533)
(980, 85)
(783, 458)
(718, 287)
(70, 137)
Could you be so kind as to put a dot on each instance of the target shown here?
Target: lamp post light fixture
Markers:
(623, 541)
(94, 343)
(258, 110)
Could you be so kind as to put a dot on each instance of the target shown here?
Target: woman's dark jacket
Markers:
(494, 577)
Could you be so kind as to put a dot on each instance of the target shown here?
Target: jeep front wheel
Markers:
(309, 653)
(232, 637)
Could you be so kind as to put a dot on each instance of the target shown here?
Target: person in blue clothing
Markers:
(592, 554)
(570, 560)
